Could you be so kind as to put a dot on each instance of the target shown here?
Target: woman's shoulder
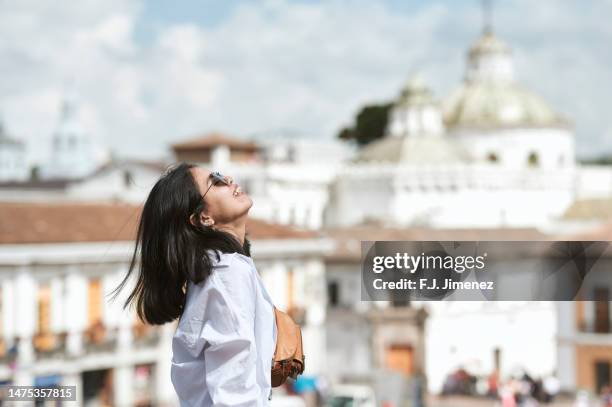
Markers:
(233, 270)
(220, 259)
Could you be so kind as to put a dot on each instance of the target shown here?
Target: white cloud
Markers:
(301, 66)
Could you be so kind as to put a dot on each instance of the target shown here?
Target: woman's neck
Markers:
(236, 229)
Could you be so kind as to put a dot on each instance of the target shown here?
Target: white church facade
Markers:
(492, 154)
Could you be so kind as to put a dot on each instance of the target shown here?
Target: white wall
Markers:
(555, 148)
(477, 195)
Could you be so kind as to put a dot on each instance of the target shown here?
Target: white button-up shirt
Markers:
(224, 343)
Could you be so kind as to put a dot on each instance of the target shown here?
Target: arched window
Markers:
(492, 157)
(533, 159)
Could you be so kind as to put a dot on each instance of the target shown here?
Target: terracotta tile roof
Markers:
(215, 139)
(66, 222)
(22, 223)
(259, 229)
(348, 240)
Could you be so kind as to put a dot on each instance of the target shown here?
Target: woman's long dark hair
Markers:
(172, 249)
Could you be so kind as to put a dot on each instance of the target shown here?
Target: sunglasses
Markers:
(218, 179)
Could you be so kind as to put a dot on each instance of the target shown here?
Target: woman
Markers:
(195, 265)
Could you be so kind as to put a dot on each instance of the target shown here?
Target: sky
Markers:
(151, 73)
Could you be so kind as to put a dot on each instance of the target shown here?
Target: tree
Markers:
(370, 124)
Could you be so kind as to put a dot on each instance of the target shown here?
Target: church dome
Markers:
(489, 96)
(498, 104)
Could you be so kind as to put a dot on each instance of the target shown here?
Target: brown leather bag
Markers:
(288, 359)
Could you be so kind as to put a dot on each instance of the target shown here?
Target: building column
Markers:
(25, 306)
(123, 373)
(25, 362)
(75, 311)
(123, 379)
(74, 378)
(316, 305)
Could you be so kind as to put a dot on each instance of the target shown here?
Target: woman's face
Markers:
(225, 203)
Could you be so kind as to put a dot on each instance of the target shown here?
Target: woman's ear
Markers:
(204, 219)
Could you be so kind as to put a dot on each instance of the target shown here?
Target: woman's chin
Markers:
(247, 201)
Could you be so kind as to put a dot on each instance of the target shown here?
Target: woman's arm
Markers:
(230, 352)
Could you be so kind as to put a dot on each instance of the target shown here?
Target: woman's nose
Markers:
(229, 179)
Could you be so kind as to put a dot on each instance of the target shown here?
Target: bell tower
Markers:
(72, 151)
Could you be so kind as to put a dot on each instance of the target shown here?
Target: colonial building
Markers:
(58, 324)
(217, 148)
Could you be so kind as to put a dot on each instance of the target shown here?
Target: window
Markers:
(602, 310)
(492, 157)
(94, 301)
(44, 340)
(333, 293)
(533, 159)
(95, 331)
(128, 180)
(602, 375)
(44, 308)
(399, 357)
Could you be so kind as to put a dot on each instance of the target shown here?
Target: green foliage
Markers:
(370, 124)
(601, 160)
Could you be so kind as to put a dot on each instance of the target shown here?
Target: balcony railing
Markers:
(99, 338)
(49, 345)
(145, 335)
